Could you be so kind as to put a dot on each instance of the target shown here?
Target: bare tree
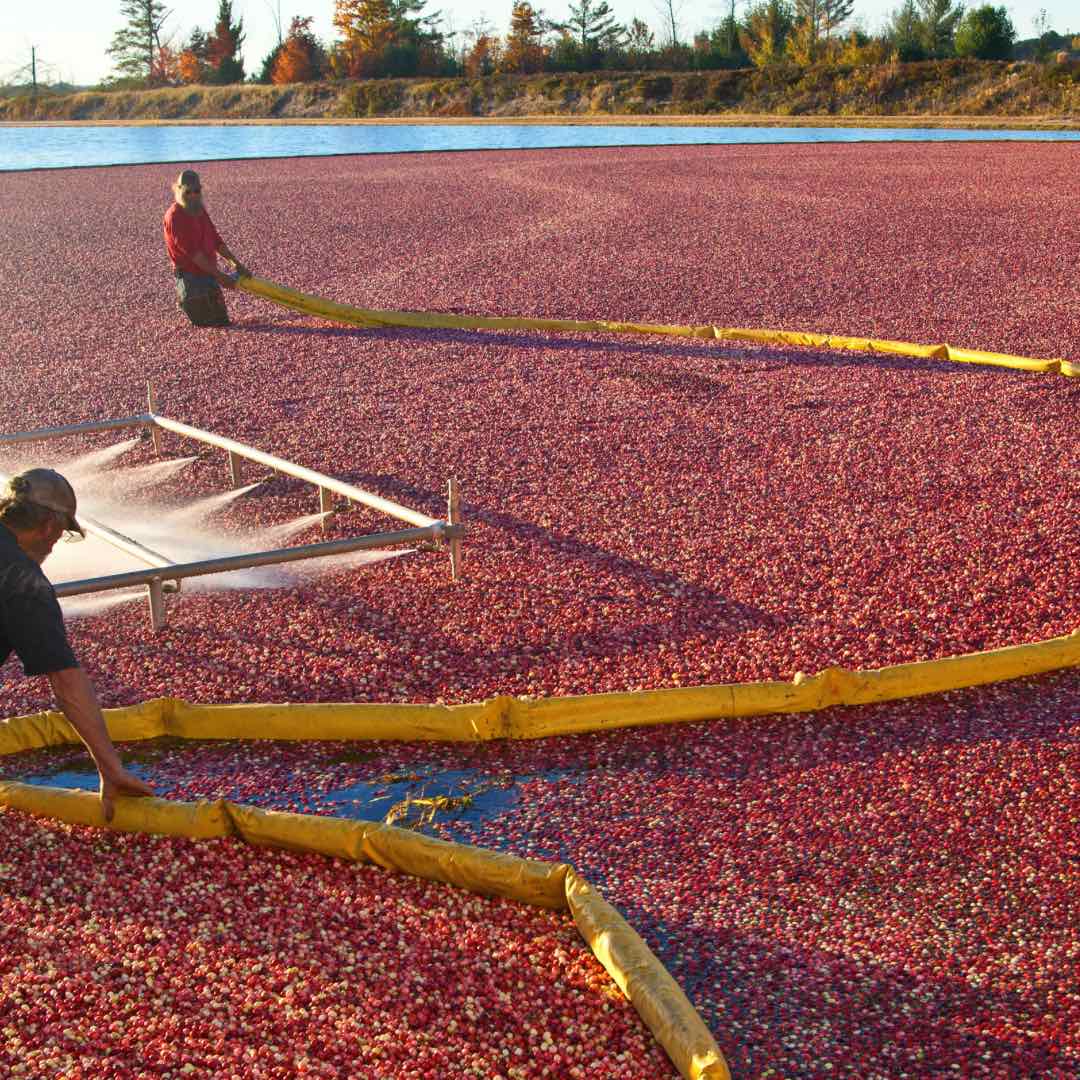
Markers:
(671, 13)
(275, 14)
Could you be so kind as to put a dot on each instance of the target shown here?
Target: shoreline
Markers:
(719, 120)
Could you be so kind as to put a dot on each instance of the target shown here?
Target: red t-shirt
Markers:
(186, 234)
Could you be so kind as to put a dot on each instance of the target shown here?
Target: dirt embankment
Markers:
(952, 88)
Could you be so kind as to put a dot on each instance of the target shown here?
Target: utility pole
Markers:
(33, 72)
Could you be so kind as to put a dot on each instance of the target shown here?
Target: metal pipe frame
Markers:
(225, 563)
(320, 480)
(162, 569)
(239, 449)
(38, 434)
(127, 544)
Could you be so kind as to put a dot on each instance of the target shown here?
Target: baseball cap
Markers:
(189, 178)
(47, 488)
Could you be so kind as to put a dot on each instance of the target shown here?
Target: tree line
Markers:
(397, 38)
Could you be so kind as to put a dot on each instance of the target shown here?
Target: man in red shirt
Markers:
(194, 245)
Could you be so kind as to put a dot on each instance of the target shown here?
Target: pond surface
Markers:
(62, 147)
(335, 779)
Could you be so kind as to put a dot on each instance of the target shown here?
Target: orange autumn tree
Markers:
(164, 67)
(300, 57)
(224, 63)
(483, 58)
(387, 37)
(523, 52)
(192, 60)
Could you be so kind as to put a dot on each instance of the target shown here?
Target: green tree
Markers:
(136, 45)
(640, 42)
(834, 13)
(223, 47)
(593, 27)
(720, 48)
(768, 26)
(266, 68)
(939, 19)
(905, 33)
(986, 33)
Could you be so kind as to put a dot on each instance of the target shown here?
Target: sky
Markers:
(71, 36)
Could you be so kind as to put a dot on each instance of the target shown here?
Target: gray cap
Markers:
(47, 488)
(188, 178)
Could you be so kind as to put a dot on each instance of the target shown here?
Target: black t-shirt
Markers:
(31, 622)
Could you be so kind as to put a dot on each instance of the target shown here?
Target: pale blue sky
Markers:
(71, 35)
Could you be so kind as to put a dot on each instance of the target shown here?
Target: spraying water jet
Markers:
(426, 530)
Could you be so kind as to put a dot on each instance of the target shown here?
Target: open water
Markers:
(62, 147)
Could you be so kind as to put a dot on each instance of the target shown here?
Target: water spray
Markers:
(425, 531)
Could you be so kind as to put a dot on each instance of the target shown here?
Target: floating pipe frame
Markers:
(162, 569)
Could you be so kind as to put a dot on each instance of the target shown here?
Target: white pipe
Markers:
(339, 487)
(142, 420)
(124, 543)
(226, 563)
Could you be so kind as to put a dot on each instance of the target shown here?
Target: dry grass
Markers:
(944, 93)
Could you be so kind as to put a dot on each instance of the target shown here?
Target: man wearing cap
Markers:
(194, 245)
(36, 508)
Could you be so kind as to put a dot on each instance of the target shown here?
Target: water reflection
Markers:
(66, 146)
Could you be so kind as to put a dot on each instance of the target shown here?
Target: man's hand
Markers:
(79, 703)
(226, 281)
(120, 782)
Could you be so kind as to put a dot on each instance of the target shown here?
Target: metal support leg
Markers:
(155, 431)
(453, 517)
(235, 469)
(156, 595)
(326, 506)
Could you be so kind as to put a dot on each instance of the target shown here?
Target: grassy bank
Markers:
(958, 89)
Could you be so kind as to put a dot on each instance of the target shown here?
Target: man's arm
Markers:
(225, 253)
(208, 266)
(78, 702)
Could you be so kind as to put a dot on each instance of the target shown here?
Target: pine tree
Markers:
(834, 13)
(384, 37)
(803, 45)
(367, 25)
(640, 41)
(768, 26)
(592, 24)
(523, 52)
(905, 33)
(223, 47)
(939, 19)
(135, 46)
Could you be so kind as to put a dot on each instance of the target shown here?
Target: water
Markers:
(179, 518)
(70, 146)
(120, 498)
(97, 460)
(155, 472)
(417, 797)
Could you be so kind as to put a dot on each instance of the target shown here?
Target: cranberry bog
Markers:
(868, 892)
